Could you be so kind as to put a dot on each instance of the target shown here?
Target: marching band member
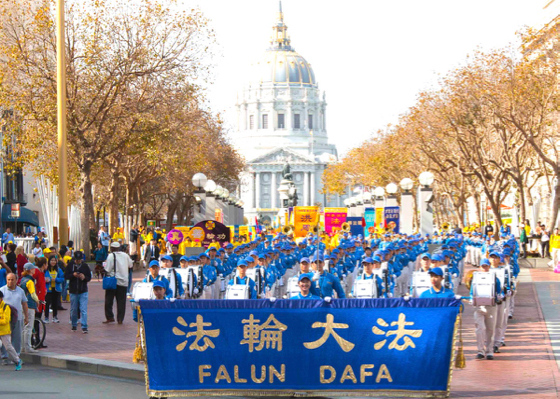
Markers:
(425, 262)
(167, 263)
(159, 293)
(485, 319)
(154, 275)
(304, 284)
(325, 282)
(437, 290)
(502, 312)
(369, 265)
(243, 279)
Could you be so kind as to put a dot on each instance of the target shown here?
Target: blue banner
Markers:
(369, 216)
(366, 347)
(355, 223)
(391, 215)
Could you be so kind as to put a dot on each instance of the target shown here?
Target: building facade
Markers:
(281, 118)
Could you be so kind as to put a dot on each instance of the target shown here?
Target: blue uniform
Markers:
(328, 283)
(308, 296)
(443, 293)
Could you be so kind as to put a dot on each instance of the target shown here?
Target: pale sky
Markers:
(370, 57)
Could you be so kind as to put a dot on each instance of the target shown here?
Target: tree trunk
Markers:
(114, 202)
(87, 215)
(555, 205)
(497, 219)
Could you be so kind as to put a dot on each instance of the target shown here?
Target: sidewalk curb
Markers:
(88, 365)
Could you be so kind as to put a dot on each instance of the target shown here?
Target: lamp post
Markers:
(425, 197)
(199, 181)
(284, 191)
(61, 118)
(407, 208)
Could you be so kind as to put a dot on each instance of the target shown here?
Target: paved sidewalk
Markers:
(526, 367)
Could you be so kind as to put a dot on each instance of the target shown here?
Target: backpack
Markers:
(13, 317)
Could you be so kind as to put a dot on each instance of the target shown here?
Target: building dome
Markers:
(283, 68)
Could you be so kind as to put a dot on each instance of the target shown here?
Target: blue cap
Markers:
(154, 263)
(304, 260)
(249, 259)
(229, 245)
(318, 258)
(437, 271)
(212, 248)
(485, 262)
(426, 255)
(158, 283)
(376, 259)
(495, 253)
(204, 254)
(438, 257)
(167, 257)
(253, 253)
(368, 260)
(184, 258)
(302, 276)
(241, 262)
(262, 256)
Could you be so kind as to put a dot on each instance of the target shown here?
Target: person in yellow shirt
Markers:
(119, 235)
(6, 332)
(214, 244)
(555, 247)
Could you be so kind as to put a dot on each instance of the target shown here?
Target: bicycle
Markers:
(38, 333)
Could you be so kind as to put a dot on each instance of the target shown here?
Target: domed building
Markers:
(281, 117)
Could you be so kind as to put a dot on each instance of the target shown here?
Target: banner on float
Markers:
(350, 347)
(369, 217)
(334, 217)
(392, 214)
(208, 230)
(356, 226)
(305, 218)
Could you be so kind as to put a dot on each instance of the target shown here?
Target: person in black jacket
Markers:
(78, 274)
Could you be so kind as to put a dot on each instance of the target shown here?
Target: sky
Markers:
(371, 57)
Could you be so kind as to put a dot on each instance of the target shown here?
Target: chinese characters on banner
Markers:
(305, 218)
(334, 217)
(356, 225)
(251, 347)
(392, 218)
(379, 223)
(207, 230)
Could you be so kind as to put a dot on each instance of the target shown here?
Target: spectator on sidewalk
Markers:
(104, 238)
(6, 332)
(54, 277)
(523, 239)
(7, 236)
(41, 287)
(78, 275)
(117, 264)
(21, 260)
(545, 241)
(27, 284)
(15, 297)
(11, 257)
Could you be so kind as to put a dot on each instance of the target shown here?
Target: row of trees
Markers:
(139, 126)
(490, 128)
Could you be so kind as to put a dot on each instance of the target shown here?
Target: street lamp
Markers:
(426, 179)
(406, 184)
(218, 191)
(347, 202)
(210, 186)
(379, 192)
(391, 188)
(225, 194)
(199, 180)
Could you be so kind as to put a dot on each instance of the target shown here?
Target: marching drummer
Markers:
(369, 264)
(425, 262)
(304, 284)
(325, 282)
(437, 290)
(159, 294)
(485, 319)
(154, 276)
(243, 279)
(167, 263)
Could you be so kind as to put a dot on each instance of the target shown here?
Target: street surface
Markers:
(528, 367)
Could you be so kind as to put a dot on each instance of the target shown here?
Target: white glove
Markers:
(393, 276)
(389, 295)
(272, 299)
(406, 298)
(172, 299)
(509, 293)
(262, 295)
(327, 299)
(195, 291)
(316, 276)
(458, 297)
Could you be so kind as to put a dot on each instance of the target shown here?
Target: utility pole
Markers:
(61, 117)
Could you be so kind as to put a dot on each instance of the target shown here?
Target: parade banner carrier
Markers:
(348, 347)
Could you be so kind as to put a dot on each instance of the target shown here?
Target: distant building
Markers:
(282, 118)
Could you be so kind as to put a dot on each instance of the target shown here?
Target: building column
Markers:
(338, 200)
(305, 188)
(245, 117)
(289, 117)
(257, 189)
(251, 204)
(312, 193)
(273, 190)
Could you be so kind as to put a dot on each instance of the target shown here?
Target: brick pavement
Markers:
(525, 368)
